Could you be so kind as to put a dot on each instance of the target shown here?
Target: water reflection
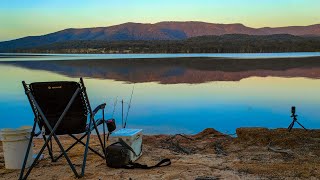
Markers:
(173, 71)
(172, 108)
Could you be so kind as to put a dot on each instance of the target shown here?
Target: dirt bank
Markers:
(256, 153)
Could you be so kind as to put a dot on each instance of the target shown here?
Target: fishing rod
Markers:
(129, 106)
(110, 122)
(122, 112)
(122, 102)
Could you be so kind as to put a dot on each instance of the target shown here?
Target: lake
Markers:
(176, 93)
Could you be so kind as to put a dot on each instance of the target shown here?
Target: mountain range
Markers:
(157, 31)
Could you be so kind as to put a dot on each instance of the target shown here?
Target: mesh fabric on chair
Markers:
(62, 108)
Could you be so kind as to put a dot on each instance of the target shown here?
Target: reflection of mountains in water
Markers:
(179, 70)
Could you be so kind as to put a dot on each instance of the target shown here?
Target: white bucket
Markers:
(15, 144)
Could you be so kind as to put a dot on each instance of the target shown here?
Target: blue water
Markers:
(176, 108)
(132, 56)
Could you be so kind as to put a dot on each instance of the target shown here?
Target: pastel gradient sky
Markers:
(21, 18)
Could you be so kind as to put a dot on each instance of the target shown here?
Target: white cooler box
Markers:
(133, 137)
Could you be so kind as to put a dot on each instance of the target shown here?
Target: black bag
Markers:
(118, 156)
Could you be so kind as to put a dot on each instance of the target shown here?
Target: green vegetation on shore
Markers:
(232, 43)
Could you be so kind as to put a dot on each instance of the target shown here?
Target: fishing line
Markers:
(114, 106)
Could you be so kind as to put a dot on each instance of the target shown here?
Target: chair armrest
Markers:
(98, 123)
(100, 107)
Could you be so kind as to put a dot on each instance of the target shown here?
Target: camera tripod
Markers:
(294, 119)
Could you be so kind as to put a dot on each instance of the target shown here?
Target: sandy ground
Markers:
(256, 153)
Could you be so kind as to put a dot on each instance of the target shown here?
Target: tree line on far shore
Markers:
(232, 43)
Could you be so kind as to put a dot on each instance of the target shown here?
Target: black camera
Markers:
(293, 109)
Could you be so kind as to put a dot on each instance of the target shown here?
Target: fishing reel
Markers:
(111, 125)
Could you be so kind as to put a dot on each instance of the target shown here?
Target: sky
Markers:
(20, 18)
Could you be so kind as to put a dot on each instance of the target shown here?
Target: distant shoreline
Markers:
(229, 43)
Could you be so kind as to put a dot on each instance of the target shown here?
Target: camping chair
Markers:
(62, 108)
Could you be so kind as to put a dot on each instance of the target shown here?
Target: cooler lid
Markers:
(126, 132)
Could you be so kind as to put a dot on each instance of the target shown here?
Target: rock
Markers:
(280, 137)
(253, 134)
(209, 132)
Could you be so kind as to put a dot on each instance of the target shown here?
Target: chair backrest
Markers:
(53, 97)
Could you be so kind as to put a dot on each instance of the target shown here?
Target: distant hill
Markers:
(157, 31)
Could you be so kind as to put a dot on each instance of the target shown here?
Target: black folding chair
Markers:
(62, 108)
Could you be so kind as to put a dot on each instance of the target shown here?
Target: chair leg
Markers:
(75, 143)
(104, 137)
(41, 151)
(49, 147)
(79, 141)
(66, 155)
(97, 131)
(104, 133)
(27, 153)
(70, 147)
(86, 149)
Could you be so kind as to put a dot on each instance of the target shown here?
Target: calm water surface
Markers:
(174, 107)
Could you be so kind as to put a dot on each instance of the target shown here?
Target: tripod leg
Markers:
(302, 126)
(291, 126)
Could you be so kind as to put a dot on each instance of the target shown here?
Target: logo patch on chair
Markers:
(54, 87)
